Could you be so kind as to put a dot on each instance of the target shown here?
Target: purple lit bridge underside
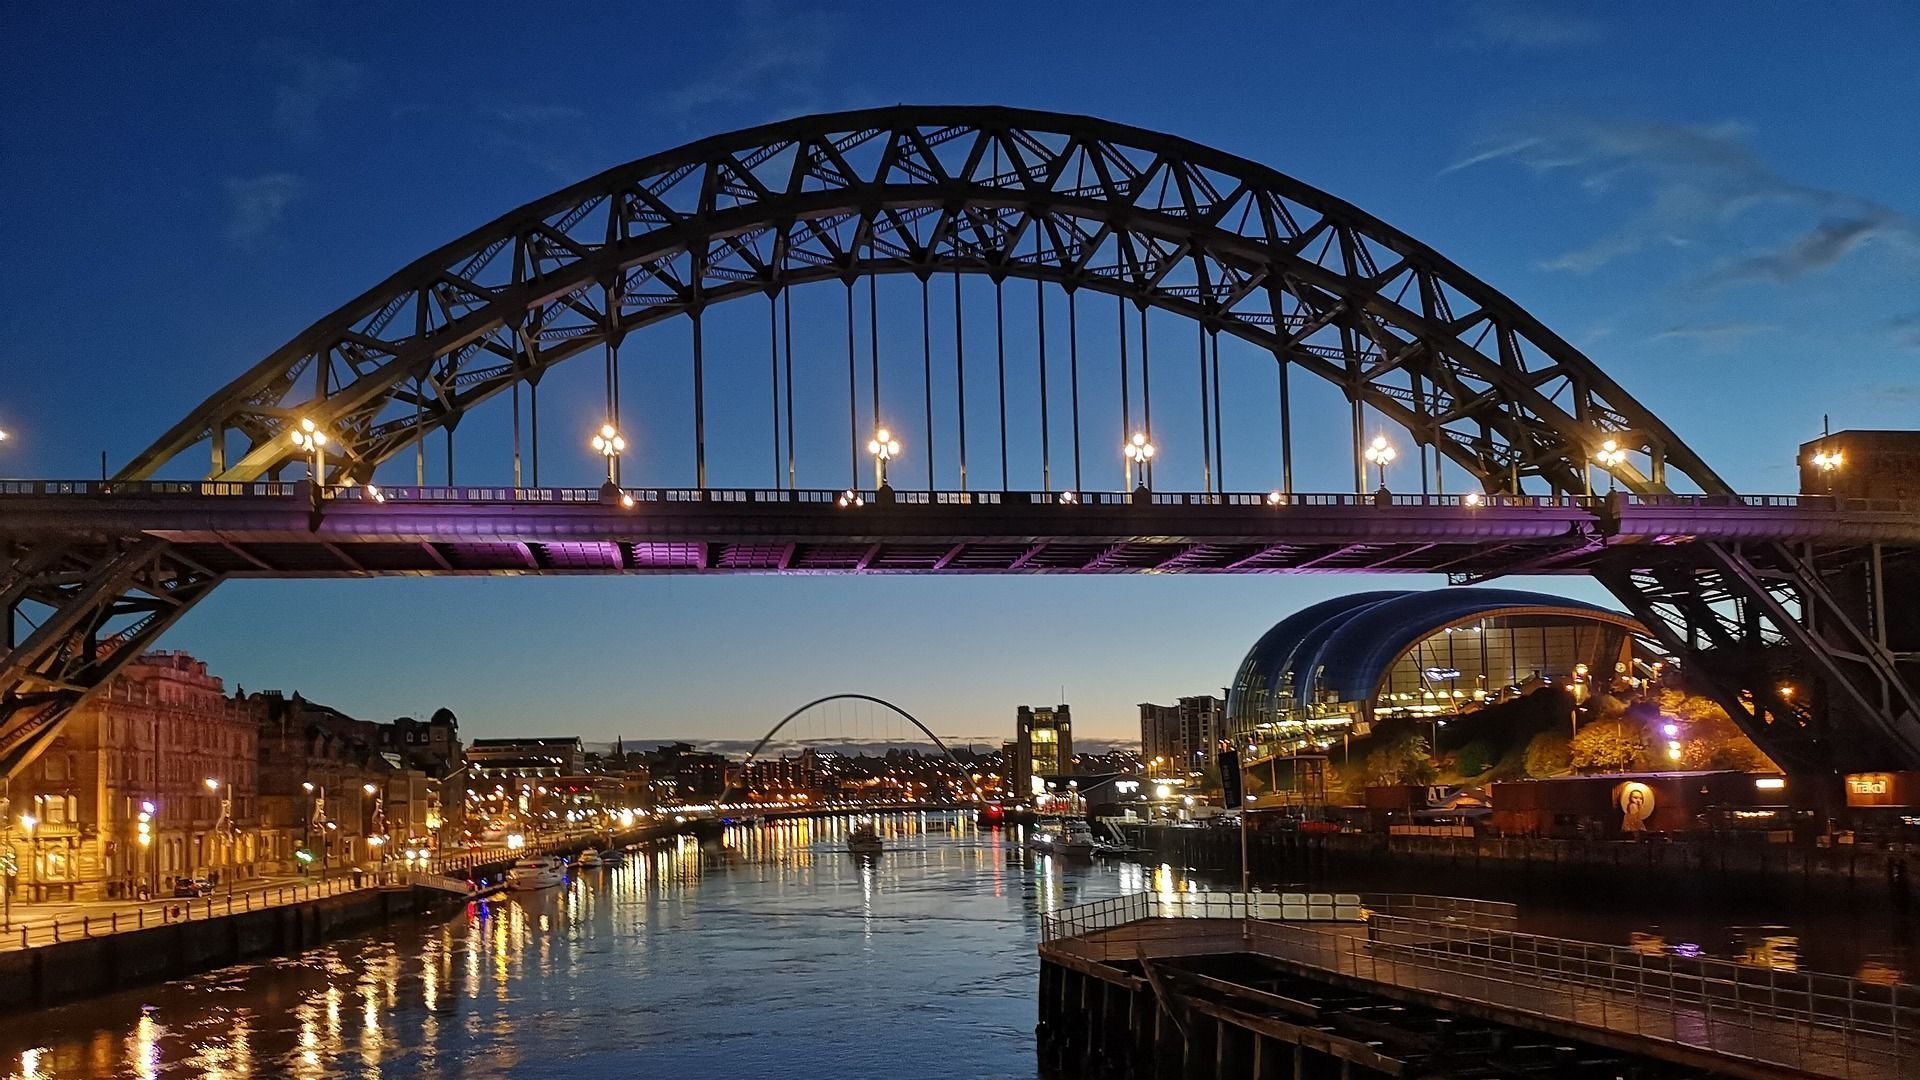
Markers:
(266, 530)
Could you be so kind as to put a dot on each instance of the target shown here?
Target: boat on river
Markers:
(590, 860)
(539, 872)
(864, 839)
(1067, 837)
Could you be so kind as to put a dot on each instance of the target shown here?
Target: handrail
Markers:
(1066, 500)
(1823, 1024)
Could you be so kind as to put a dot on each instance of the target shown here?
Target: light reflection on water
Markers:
(773, 951)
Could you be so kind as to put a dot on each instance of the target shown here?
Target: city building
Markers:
(1862, 465)
(681, 775)
(1340, 666)
(324, 786)
(514, 784)
(161, 745)
(1183, 735)
(1042, 747)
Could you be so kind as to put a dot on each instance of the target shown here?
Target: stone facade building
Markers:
(149, 742)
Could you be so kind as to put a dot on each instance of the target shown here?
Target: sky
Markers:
(1717, 202)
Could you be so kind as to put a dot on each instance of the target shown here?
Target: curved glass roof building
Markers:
(1344, 664)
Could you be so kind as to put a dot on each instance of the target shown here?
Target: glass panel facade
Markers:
(1448, 671)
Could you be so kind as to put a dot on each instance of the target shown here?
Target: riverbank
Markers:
(1612, 864)
(47, 969)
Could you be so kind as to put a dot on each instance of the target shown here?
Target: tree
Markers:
(1548, 754)
(1708, 737)
(1404, 760)
(1473, 759)
(1610, 746)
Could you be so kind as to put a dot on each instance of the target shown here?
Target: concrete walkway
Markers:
(1743, 1039)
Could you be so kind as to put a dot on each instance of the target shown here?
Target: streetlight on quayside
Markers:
(226, 830)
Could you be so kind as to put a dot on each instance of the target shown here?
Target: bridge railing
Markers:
(1825, 1025)
(493, 494)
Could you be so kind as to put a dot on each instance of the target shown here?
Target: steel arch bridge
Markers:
(789, 718)
(1754, 594)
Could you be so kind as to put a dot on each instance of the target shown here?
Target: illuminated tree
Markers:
(1548, 754)
(1404, 760)
(1610, 746)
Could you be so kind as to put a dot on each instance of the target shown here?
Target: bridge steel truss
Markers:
(1084, 204)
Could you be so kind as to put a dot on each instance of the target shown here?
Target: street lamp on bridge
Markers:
(1611, 456)
(610, 444)
(311, 439)
(1138, 452)
(883, 446)
(1380, 454)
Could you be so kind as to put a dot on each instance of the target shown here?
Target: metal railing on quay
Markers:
(1828, 1025)
(163, 911)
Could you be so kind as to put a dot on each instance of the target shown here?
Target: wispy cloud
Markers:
(256, 205)
(305, 81)
(1525, 24)
(776, 58)
(1700, 185)
(1715, 335)
(1906, 331)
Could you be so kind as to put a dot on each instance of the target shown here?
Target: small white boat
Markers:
(540, 872)
(590, 860)
(1062, 836)
(864, 839)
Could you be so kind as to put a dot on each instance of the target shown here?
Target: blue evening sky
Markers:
(1716, 201)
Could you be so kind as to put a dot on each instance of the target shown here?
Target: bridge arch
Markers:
(882, 702)
(1088, 204)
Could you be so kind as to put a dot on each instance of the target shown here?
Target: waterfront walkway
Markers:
(48, 923)
(1738, 1020)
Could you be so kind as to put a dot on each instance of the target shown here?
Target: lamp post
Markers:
(1609, 457)
(375, 817)
(306, 828)
(27, 822)
(143, 835)
(610, 444)
(1380, 454)
(311, 439)
(883, 446)
(223, 828)
(1828, 462)
(9, 866)
(1138, 452)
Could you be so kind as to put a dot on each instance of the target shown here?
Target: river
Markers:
(773, 953)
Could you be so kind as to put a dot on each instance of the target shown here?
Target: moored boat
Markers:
(538, 872)
(590, 860)
(1061, 836)
(864, 839)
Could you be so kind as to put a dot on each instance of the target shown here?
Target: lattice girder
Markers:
(1084, 203)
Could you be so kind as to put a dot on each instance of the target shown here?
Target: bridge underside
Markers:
(506, 531)
(1781, 606)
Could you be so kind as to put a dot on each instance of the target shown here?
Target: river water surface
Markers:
(770, 954)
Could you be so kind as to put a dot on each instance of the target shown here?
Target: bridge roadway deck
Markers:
(267, 530)
(1417, 967)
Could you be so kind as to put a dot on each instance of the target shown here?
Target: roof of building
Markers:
(1349, 642)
